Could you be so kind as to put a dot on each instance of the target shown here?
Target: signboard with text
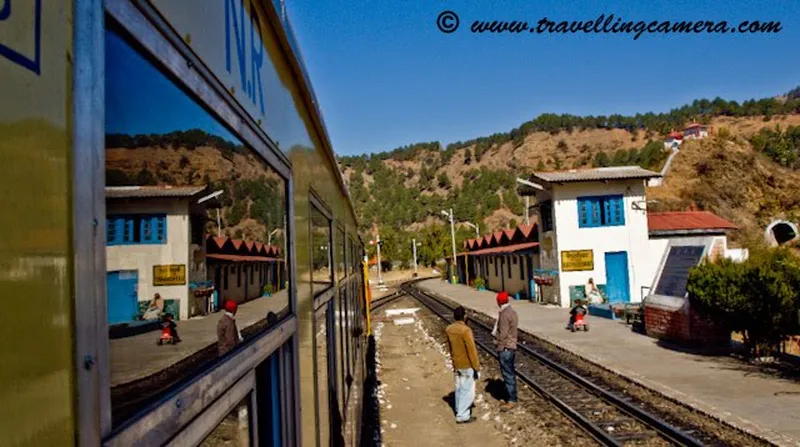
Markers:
(577, 260)
(169, 275)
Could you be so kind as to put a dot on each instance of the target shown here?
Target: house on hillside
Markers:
(674, 140)
(695, 131)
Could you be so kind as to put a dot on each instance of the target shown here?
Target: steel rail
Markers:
(665, 430)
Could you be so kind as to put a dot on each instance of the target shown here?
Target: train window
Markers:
(340, 353)
(321, 271)
(235, 430)
(172, 165)
(325, 390)
(340, 251)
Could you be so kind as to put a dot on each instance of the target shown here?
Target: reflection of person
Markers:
(154, 308)
(465, 363)
(505, 333)
(272, 318)
(227, 334)
(168, 322)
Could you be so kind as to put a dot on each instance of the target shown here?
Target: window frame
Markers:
(122, 222)
(598, 211)
(317, 204)
(174, 412)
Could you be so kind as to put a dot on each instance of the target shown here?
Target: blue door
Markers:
(617, 283)
(122, 296)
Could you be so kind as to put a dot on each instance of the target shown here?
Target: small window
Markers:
(522, 269)
(546, 211)
(601, 211)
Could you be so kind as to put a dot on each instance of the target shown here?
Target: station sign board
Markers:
(169, 275)
(577, 260)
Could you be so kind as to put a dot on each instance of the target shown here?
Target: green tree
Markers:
(600, 160)
(443, 181)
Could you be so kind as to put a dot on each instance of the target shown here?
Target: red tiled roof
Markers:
(504, 249)
(693, 125)
(241, 258)
(510, 233)
(687, 220)
(675, 134)
(237, 243)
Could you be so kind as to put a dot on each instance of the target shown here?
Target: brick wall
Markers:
(666, 324)
(683, 326)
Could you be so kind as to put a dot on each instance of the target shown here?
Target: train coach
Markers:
(180, 259)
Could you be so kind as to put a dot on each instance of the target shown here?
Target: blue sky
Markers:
(386, 76)
(141, 100)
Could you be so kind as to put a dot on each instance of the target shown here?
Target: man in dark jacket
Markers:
(505, 333)
(465, 363)
(227, 333)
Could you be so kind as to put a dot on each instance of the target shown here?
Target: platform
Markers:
(719, 385)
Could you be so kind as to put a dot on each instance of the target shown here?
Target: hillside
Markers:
(747, 171)
(252, 199)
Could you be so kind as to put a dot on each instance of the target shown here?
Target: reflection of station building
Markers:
(241, 269)
(156, 244)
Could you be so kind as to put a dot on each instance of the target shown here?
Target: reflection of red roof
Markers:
(687, 220)
(506, 249)
(675, 134)
(240, 258)
(525, 230)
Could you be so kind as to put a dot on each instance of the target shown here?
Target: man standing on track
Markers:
(505, 333)
(465, 363)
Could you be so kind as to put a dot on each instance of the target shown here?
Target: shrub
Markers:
(758, 297)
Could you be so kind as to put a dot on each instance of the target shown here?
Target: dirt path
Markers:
(416, 391)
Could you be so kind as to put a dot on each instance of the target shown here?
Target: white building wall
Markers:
(631, 238)
(142, 257)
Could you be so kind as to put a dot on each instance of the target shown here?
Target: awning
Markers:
(508, 249)
(240, 258)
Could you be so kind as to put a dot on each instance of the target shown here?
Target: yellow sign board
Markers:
(169, 275)
(577, 260)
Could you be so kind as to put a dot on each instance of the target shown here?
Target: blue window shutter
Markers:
(607, 218)
(583, 213)
(619, 211)
(161, 229)
(595, 217)
(127, 223)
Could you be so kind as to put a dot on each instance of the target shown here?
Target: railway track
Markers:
(610, 419)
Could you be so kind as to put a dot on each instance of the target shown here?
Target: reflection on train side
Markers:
(195, 234)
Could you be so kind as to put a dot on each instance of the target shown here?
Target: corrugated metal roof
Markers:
(125, 192)
(686, 220)
(587, 175)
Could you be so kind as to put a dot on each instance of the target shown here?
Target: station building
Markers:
(589, 224)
